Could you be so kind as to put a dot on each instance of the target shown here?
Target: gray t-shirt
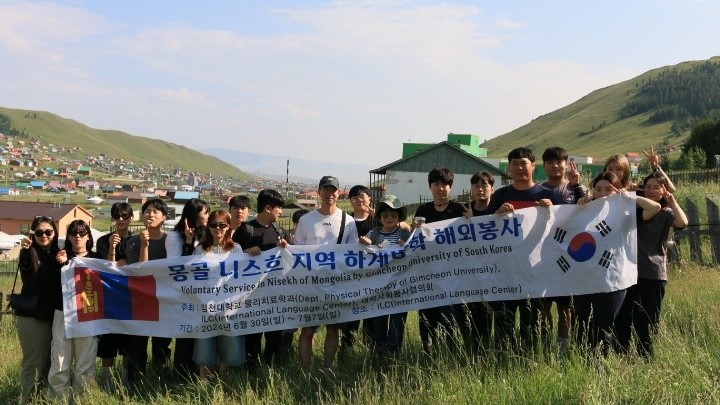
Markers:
(651, 235)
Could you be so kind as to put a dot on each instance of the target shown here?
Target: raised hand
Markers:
(467, 210)
(573, 175)
(653, 158)
(189, 233)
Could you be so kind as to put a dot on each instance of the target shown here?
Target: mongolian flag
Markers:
(102, 295)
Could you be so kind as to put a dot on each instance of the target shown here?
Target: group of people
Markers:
(602, 321)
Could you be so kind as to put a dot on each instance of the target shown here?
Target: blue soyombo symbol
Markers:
(582, 247)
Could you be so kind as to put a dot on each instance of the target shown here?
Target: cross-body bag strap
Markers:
(16, 276)
(342, 228)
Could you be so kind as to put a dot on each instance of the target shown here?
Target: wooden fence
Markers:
(701, 237)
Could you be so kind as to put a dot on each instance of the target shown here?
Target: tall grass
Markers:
(686, 368)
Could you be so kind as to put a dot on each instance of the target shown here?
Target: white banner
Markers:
(534, 252)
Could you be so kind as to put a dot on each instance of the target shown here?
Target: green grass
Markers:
(686, 368)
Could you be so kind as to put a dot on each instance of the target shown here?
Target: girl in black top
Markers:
(37, 268)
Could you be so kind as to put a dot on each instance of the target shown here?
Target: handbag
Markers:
(22, 304)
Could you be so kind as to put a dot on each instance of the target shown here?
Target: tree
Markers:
(694, 158)
(705, 136)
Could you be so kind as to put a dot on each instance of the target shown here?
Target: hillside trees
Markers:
(7, 128)
(679, 96)
(705, 136)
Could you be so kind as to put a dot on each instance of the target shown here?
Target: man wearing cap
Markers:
(325, 226)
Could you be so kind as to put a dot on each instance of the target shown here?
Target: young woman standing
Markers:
(78, 243)
(596, 313)
(38, 267)
(643, 302)
(223, 351)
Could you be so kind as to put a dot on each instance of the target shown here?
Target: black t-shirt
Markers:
(264, 237)
(522, 198)
(364, 225)
(102, 246)
(427, 210)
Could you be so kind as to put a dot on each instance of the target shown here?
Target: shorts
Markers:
(110, 345)
(228, 350)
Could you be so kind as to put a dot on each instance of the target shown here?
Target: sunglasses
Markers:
(40, 232)
(78, 233)
(123, 217)
(214, 225)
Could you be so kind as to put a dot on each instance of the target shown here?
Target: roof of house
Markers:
(460, 161)
(29, 210)
(186, 195)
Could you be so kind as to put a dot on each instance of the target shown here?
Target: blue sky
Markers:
(344, 81)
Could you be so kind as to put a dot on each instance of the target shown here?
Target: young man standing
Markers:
(112, 247)
(567, 185)
(325, 226)
(261, 234)
(522, 193)
(148, 245)
(439, 322)
(239, 207)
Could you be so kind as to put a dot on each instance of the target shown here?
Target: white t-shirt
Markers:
(315, 228)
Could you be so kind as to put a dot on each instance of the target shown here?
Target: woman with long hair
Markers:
(78, 243)
(38, 267)
(620, 167)
(643, 302)
(188, 233)
(596, 313)
(223, 351)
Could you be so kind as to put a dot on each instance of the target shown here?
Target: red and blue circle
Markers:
(582, 247)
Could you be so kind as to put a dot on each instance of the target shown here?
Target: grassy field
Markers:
(686, 368)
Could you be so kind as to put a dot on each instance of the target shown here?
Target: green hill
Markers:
(49, 128)
(656, 108)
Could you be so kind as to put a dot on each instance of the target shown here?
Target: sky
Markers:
(332, 81)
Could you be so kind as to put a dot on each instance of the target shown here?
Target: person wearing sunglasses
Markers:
(78, 243)
(188, 233)
(221, 351)
(37, 268)
(111, 246)
(261, 234)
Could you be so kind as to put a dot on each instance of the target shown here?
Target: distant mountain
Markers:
(656, 108)
(300, 170)
(49, 128)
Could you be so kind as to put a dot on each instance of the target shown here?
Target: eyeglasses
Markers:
(214, 225)
(80, 234)
(40, 232)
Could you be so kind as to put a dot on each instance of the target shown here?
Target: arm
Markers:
(649, 207)
(174, 244)
(671, 186)
(681, 220)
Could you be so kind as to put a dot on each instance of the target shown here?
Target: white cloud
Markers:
(182, 95)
